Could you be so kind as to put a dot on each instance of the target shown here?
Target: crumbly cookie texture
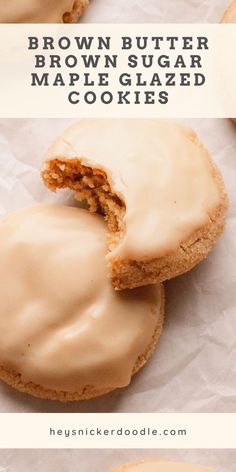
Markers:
(42, 11)
(95, 184)
(160, 466)
(77, 11)
(15, 380)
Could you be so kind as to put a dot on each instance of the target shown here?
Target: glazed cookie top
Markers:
(62, 325)
(230, 13)
(162, 466)
(34, 11)
(159, 170)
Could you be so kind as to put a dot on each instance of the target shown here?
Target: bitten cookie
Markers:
(230, 17)
(160, 466)
(65, 334)
(162, 195)
(41, 11)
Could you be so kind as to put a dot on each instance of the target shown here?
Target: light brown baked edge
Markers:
(125, 273)
(15, 379)
(77, 11)
(131, 273)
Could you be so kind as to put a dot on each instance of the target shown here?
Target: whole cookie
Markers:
(41, 11)
(65, 334)
(160, 466)
(162, 195)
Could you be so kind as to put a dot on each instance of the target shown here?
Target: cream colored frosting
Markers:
(34, 11)
(165, 466)
(62, 325)
(158, 168)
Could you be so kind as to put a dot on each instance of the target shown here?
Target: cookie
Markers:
(230, 17)
(162, 196)
(65, 333)
(160, 466)
(230, 13)
(73, 15)
(41, 11)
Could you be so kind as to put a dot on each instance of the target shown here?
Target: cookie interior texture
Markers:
(65, 334)
(41, 11)
(160, 466)
(94, 184)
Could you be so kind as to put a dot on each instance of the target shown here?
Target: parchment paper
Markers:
(193, 367)
(155, 11)
(104, 460)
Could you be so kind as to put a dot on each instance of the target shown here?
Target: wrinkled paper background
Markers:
(155, 11)
(193, 368)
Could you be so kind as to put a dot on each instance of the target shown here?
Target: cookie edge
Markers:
(77, 11)
(14, 379)
(125, 467)
(126, 273)
(227, 12)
